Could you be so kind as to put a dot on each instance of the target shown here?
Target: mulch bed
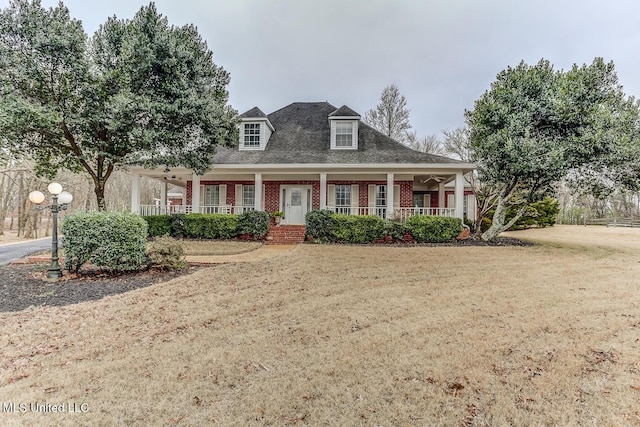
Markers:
(23, 285)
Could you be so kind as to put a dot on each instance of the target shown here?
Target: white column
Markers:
(389, 195)
(441, 194)
(323, 190)
(258, 192)
(135, 193)
(163, 193)
(195, 193)
(459, 195)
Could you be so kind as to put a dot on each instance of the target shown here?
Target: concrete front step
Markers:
(286, 234)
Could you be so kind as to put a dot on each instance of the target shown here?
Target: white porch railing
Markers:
(171, 209)
(400, 214)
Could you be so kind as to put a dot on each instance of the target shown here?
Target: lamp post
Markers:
(59, 201)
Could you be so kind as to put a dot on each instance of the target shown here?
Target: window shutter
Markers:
(451, 201)
(331, 195)
(472, 209)
(239, 201)
(427, 200)
(202, 193)
(333, 136)
(396, 196)
(223, 194)
(355, 199)
(372, 198)
(263, 198)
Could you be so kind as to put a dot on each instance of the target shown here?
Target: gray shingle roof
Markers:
(302, 135)
(253, 113)
(344, 111)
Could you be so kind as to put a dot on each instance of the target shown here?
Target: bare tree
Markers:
(391, 115)
(428, 144)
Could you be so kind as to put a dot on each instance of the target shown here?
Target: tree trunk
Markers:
(497, 224)
(99, 191)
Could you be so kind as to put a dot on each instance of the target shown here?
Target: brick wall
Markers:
(272, 192)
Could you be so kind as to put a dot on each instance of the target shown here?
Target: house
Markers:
(312, 155)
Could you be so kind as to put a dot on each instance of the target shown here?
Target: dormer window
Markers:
(344, 134)
(252, 135)
(344, 129)
(255, 130)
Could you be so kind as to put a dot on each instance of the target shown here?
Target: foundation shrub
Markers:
(356, 229)
(158, 225)
(209, 226)
(433, 229)
(254, 224)
(318, 224)
(177, 225)
(395, 231)
(166, 253)
(115, 241)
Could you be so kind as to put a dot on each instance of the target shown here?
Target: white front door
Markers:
(296, 204)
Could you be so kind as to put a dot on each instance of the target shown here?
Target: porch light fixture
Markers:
(59, 202)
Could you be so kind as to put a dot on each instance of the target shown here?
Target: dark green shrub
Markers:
(396, 230)
(254, 224)
(166, 253)
(158, 225)
(357, 229)
(538, 214)
(210, 226)
(115, 241)
(434, 229)
(177, 227)
(318, 225)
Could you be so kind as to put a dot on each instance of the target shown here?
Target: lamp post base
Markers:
(53, 274)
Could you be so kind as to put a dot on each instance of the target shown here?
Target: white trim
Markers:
(459, 194)
(195, 193)
(163, 193)
(258, 119)
(258, 187)
(390, 194)
(333, 121)
(323, 190)
(135, 193)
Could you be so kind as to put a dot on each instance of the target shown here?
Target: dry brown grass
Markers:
(344, 335)
(218, 247)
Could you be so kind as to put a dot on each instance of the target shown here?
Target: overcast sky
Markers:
(442, 54)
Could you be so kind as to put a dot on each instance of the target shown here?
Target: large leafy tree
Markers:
(536, 125)
(391, 115)
(138, 90)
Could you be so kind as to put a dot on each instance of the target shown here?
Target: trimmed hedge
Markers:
(319, 225)
(433, 229)
(210, 226)
(115, 241)
(254, 224)
(158, 225)
(356, 229)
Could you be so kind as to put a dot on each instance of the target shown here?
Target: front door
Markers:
(296, 205)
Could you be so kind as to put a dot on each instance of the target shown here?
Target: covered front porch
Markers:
(396, 194)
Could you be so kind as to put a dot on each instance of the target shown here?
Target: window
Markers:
(343, 199)
(381, 196)
(344, 134)
(211, 195)
(252, 135)
(248, 195)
